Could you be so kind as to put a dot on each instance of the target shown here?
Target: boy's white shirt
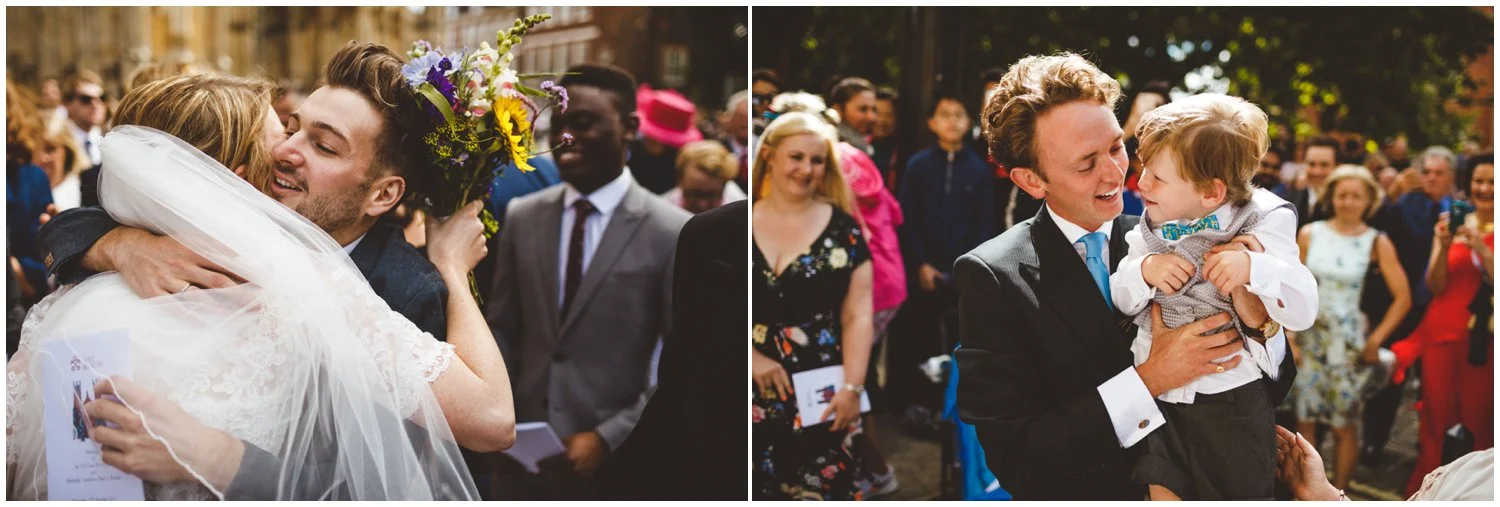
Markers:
(1286, 287)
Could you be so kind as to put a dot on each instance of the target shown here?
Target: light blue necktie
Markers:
(1093, 257)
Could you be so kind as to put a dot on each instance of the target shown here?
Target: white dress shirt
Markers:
(69, 193)
(1132, 412)
(1277, 276)
(89, 141)
(605, 200)
(349, 248)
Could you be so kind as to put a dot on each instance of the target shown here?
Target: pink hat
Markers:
(667, 117)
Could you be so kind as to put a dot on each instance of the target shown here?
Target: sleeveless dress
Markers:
(797, 320)
(1329, 378)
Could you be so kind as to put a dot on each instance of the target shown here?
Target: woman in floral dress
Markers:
(1334, 355)
(811, 309)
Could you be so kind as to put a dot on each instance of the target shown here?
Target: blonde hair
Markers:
(1213, 136)
(1355, 172)
(833, 188)
(158, 71)
(803, 102)
(710, 158)
(1029, 89)
(223, 116)
(57, 133)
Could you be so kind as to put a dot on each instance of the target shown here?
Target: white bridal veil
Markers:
(304, 362)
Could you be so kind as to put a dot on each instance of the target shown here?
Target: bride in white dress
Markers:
(303, 361)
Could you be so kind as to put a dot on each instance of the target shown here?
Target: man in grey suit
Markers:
(582, 290)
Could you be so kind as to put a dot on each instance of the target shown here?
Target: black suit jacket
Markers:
(400, 275)
(1306, 212)
(689, 443)
(1036, 342)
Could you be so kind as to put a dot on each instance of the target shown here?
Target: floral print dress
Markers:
(1329, 379)
(797, 318)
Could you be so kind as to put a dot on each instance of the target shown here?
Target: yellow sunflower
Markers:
(510, 119)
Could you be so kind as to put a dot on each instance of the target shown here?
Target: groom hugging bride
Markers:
(285, 344)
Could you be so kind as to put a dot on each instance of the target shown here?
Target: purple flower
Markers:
(560, 92)
(567, 139)
(446, 64)
(443, 85)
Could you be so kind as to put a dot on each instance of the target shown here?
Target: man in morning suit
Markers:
(685, 446)
(1046, 373)
(582, 289)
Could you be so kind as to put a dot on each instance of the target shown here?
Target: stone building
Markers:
(702, 52)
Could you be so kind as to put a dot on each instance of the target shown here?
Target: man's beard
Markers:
(334, 213)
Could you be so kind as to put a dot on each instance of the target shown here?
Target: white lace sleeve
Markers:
(19, 416)
(411, 359)
(430, 356)
(16, 384)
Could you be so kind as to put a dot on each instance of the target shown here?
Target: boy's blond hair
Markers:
(1213, 136)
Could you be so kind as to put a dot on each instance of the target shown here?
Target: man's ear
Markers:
(631, 122)
(240, 171)
(1030, 181)
(385, 194)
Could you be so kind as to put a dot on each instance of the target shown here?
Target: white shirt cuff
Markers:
(1260, 357)
(1129, 288)
(1131, 409)
(1288, 290)
(1276, 349)
(1265, 276)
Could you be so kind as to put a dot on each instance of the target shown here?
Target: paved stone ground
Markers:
(917, 459)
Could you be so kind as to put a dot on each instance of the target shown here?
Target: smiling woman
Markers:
(811, 310)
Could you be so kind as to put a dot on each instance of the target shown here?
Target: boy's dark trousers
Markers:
(1220, 447)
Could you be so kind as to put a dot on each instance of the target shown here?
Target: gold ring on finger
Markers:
(1219, 369)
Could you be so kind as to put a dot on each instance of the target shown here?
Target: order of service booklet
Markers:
(69, 370)
(815, 389)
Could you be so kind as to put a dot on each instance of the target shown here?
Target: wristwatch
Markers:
(1267, 330)
(858, 390)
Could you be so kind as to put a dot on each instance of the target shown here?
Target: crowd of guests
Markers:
(855, 244)
(578, 286)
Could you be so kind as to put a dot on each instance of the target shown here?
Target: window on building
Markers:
(560, 56)
(580, 52)
(674, 59)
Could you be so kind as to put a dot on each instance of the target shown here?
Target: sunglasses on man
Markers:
(90, 99)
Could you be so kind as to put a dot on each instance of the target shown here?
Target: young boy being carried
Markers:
(1199, 155)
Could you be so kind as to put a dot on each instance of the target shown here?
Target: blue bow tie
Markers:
(1173, 232)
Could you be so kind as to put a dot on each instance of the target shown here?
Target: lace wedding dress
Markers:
(304, 361)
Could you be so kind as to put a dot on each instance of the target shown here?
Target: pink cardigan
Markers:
(881, 214)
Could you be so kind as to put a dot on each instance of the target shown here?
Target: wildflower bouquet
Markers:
(483, 117)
